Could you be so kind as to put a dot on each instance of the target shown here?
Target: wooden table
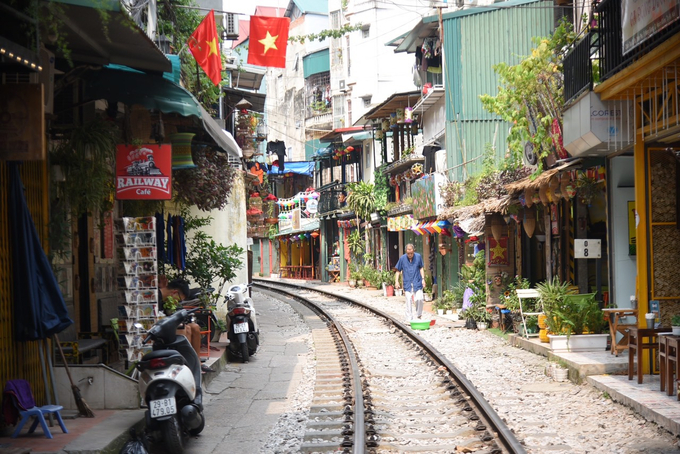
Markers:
(614, 316)
(637, 345)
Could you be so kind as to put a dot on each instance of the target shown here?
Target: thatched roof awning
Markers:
(492, 205)
(535, 183)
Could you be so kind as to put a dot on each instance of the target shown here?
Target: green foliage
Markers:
(474, 278)
(361, 199)
(531, 96)
(325, 34)
(170, 304)
(567, 313)
(373, 276)
(675, 320)
(207, 262)
(87, 158)
(356, 243)
(388, 277)
(381, 190)
(428, 284)
(207, 185)
(510, 298)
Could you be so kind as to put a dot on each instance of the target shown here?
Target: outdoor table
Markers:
(637, 345)
(614, 317)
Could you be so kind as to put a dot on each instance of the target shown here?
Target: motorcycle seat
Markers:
(167, 354)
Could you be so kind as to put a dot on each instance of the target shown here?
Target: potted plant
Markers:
(388, 281)
(576, 320)
(675, 325)
(427, 290)
(270, 217)
(354, 277)
(359, 278)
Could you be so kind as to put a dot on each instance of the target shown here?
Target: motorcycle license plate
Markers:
(162, 407)
(241, 327)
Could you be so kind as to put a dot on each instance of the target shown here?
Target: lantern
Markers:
(181, 150)
(385, 125)
(497, 225)
(379, 134)
(399, 113)
(408, 114)
(529, 221)
(529, 196)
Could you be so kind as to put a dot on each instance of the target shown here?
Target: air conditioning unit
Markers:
(231, 26)
(342, 85)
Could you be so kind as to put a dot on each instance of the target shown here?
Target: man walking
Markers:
(410, 265)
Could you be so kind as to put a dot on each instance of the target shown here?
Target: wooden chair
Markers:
(21, 397)
(525, 294)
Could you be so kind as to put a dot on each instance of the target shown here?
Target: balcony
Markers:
(609, 48)
(330, 201)
(578, 69)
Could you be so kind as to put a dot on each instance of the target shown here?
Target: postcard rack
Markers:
(138, 282)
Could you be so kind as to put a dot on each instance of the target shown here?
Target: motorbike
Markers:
(243, 332)
(170, 382)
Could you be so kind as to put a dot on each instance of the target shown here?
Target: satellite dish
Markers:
(529, 154)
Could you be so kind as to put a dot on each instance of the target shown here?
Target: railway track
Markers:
(381, 388)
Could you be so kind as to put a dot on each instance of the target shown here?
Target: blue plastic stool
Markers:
(39, 413)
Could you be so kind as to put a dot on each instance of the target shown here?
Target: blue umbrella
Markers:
(40, 310)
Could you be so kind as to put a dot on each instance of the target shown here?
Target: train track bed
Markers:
(545, 415)
(412, 401)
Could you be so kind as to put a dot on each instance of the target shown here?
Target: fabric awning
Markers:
(299, 168)
(102, 32)
(311, 226)
(233, 95)
(154, 92)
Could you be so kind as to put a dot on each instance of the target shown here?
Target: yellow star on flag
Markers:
(269, 42)
(498, 251)
(213, 46)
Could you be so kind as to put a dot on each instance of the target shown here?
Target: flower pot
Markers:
(481, 326)
(676, 330)
(271, 221)
(352, 283)
(440, 311)
(560, 374)
(449, 311)
(543, 335)
(578, 343)
(360, 283)
(389, 289)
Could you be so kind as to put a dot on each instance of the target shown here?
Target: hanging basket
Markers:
(181, 150)
(529, 221)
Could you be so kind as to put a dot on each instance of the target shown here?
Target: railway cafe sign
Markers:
(143, 172)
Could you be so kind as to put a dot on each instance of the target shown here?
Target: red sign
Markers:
(143, 172)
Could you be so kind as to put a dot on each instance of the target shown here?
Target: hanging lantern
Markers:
(393, 120)
(497, 225)
(529, 196)
(555, 191)
(385, 125)
(400, 114)
(408, 114)
(529, 221)
(543, 195)
(315, 234)
(379, 134)
(181, 150)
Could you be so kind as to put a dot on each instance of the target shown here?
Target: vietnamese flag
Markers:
(205, 46)
(268, 40)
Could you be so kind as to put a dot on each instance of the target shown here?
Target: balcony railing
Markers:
(578, 69)
(610, 50)
(329, 201)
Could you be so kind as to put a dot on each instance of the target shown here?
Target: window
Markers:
(318, 94)
(366, 31)
(335, 20)
(367, 101)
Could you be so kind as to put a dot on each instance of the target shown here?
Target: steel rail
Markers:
(359, 446)
(505, 435)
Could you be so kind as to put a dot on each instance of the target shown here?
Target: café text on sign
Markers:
(143, 172)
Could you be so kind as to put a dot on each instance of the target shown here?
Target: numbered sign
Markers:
(587, 249)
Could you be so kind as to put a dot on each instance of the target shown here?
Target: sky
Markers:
(248, 7)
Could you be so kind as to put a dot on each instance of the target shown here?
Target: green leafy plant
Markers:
(208, 185)
(388, 277)
(530, 96)
(428, 284)
(675, 320)
(558, 313)
(356, 243)
(360, 199)
(207, 262)
(170, 304)
(325, 34)
(381, 190)
(510, 298)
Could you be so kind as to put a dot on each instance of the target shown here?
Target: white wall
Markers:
(623, 266)
(434, 121)
(229, 227)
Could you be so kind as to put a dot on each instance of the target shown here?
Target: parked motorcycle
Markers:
(243, 332)
(170, 381)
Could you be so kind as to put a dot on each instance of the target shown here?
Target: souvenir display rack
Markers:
(138, 282)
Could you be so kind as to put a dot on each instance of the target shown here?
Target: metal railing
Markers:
(610, 49)
(578, 69)
(329, 200)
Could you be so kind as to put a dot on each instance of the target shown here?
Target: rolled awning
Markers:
(154, 92)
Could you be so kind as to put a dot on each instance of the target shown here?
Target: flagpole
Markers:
(198, 79)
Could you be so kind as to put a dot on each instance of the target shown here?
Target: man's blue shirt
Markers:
(410, 270)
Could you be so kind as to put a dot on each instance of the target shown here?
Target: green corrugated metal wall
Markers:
(473, 44)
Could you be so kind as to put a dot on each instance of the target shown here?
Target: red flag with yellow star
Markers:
(205, 46)
(268, 40)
